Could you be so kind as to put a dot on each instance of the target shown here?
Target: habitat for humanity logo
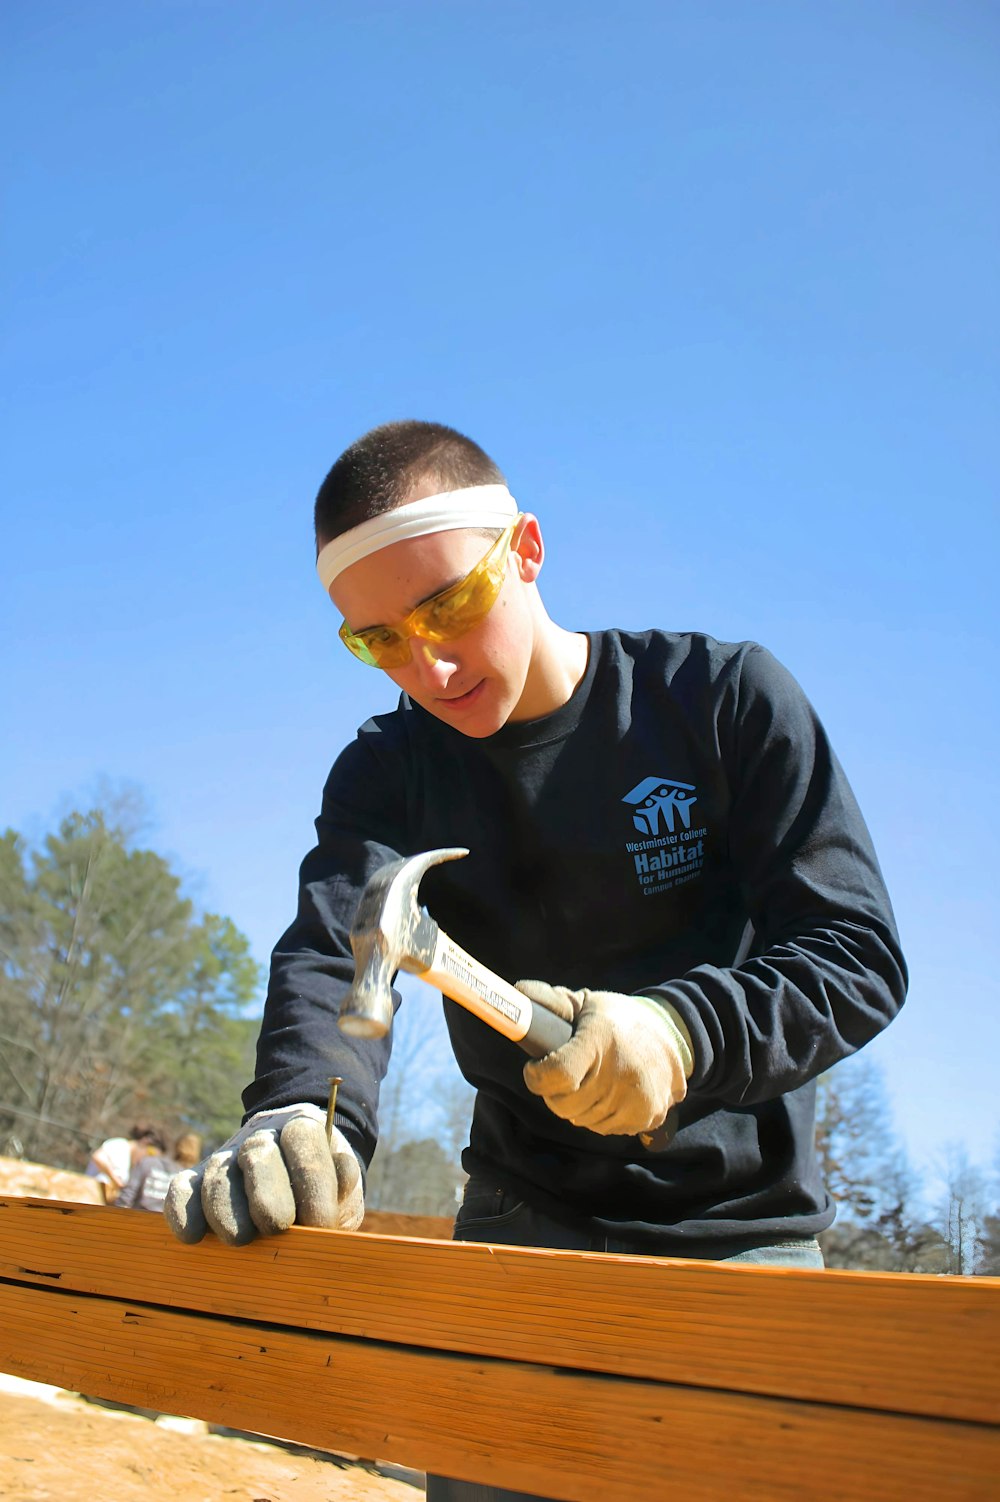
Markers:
(673, 852)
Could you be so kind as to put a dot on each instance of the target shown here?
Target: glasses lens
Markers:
(379, 648)
(459, 609)
(472, 601)
(448, 615)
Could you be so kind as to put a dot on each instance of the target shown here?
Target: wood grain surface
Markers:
(905, 1344)
(569, 1435)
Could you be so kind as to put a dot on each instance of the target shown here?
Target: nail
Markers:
(335, 1080)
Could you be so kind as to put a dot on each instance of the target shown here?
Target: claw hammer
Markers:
(391, 932)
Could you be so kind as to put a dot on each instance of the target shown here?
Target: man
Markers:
(662, 845)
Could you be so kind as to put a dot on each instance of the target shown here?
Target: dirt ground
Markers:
(56, 1445)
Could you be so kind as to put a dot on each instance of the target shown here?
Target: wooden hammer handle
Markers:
(494, 1000)
(506, 1009)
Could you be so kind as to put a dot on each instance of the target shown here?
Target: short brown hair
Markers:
(380, 468)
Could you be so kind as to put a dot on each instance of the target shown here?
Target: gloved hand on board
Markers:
(278, 1170)
(626, 1065)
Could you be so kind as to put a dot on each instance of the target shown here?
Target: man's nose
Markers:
(432, 661)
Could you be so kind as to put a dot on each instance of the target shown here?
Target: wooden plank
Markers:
(21, 1177)
(569, 1435)
(915, 1345)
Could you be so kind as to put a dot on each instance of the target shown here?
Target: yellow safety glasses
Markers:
(442, 618)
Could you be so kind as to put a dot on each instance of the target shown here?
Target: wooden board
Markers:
(21, 1177)
(905, 1344)
(569, 1435)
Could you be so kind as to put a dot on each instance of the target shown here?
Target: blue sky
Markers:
(714, 283)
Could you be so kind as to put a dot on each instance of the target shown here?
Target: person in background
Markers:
(150, 1177)
(187, 1150)
(112, 1163)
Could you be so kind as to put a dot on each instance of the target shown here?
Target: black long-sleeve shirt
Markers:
(681, 828)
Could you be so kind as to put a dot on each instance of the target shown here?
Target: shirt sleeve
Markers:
(361, 826)
(825, 972)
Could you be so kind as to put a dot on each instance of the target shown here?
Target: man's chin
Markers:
(476, 714)
(476, 729)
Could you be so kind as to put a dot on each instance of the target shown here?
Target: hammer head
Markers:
(390, 933)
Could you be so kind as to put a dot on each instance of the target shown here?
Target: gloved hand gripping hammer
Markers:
(391, 932)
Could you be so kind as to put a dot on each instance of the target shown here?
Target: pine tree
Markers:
(117, 1001)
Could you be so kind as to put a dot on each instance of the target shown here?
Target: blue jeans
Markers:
(490, 1213)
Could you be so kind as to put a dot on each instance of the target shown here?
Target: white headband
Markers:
(476, 506)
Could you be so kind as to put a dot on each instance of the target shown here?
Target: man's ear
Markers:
(528, 548)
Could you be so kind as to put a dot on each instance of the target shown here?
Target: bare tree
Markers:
(961, 1209)
(989, 1262)
(424, 1111)
(879, 1224)
(455, 1100)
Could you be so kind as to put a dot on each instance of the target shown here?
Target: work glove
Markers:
(278, 1170)
(625, 1066)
